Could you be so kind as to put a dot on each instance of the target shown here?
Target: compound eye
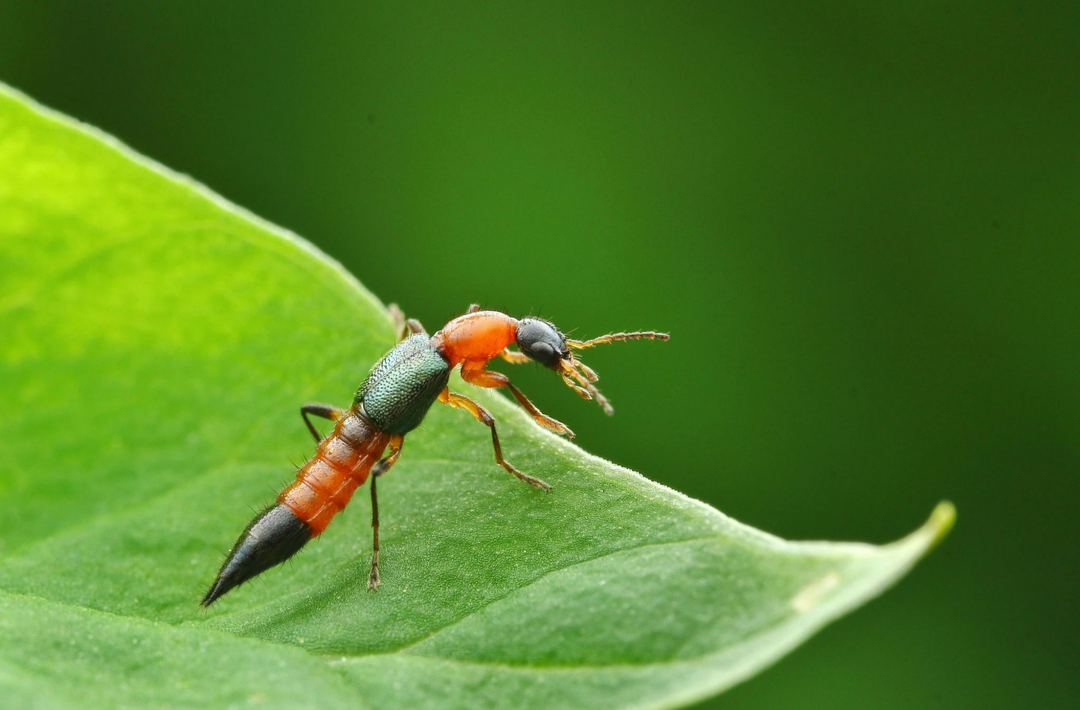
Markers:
(540, 341)
(543, 353)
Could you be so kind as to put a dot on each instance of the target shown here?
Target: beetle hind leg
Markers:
(377, 470)
(326, 411)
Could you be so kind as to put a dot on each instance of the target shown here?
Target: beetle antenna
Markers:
(612, 337)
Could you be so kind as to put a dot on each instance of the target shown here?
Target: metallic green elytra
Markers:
(402, 386)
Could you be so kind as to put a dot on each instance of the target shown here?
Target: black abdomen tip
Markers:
(275, 535)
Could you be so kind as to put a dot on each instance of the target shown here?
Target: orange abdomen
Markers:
(324, 485)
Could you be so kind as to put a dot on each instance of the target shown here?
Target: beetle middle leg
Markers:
(326, 411)
(484, 416)
(480, 377)
(404, 326)
(377, 470)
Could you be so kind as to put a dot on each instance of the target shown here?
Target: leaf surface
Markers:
(157, 344)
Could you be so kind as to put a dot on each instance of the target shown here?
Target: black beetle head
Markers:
(542, 342)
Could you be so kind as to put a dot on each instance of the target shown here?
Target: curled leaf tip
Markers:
(941, 521)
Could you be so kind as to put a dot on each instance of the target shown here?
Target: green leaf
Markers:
(157, 343)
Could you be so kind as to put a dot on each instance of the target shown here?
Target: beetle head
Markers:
(543, 343)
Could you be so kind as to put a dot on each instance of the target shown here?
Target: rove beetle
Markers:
(390, 403)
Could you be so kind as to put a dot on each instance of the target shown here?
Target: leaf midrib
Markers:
(406, 650)
(189, 624)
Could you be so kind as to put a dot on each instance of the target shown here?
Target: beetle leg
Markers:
(513, 356)
(398, 319)
(396, 442)
(377, 470)
(326, 411)
(484, 416)
(402, 325)
(480, 377)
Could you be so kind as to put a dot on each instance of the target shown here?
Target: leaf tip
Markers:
(939, 524)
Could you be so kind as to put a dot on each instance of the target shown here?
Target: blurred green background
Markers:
(858, 221)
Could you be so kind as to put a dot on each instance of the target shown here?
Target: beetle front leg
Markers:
(476, 375)
(514, 357)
